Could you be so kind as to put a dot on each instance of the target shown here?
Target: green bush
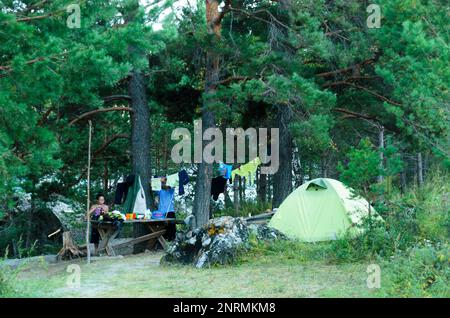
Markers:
(7, 279)
(419, 214)
(283, 251)
(375, 240)
(421, 271)
(245, 209)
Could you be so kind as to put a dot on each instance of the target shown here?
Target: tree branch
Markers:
(107, 142)
(383, 98)
(96, 153)
(351, 78)
(101, 110)
(348, 69)
(116, 97)
(8, 68)
(45, 116)
(226, 8)
(232, 79)
(354, 114)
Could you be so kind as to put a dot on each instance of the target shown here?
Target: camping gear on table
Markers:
(320, 210)
(135, 200)
(158, 215)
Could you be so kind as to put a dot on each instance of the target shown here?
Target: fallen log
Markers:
(260, 218)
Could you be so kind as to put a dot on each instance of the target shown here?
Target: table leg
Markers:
(103, 239)
(107, 236)
(161, 239)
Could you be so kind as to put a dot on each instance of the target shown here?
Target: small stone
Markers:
(192, 240)
(206, 242)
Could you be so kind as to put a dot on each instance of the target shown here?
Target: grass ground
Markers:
(142, 276)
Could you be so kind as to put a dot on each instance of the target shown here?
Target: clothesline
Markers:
(247, 171)
(179, 179)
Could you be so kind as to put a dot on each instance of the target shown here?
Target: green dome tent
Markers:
(320, 210)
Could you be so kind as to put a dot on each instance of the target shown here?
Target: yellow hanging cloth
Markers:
(248, 170)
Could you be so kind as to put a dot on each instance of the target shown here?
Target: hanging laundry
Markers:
(183, 178)
(225, 170)
(156, 184)
(172, 180)
(218, 186)
(119, 196)
(248, 170)
(129, 181)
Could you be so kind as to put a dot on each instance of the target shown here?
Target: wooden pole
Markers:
(88, 227)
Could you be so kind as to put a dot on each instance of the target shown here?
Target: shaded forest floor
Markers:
(143, 276)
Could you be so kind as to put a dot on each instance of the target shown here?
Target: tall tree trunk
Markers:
(381, 149)
(236, 194)
(262, 188)
(140, 118)
(282, 180)
(105, 176)
(201, 207)
(140, 124)
(297, 168)
(419, 169)
(140, 131)
(241, 197)
(323, 168)
(403, 186)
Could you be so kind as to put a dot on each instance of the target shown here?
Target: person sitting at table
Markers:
(165, 202)
(98, 209)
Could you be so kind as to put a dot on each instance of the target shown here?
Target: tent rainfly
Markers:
(320, 210)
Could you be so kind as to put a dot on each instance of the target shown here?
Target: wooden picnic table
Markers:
(108, 233)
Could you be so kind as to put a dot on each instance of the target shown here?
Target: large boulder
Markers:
(57, 211)
(218, 242)
(70, 213)
(266, 233)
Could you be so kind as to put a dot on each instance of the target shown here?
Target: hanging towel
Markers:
(156, 184)
(172, 180)
(183, 178)
(248, 170)
(218, 186)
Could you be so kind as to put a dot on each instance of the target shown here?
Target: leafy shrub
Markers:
(283, 251)
(421, 271)
(245, 208)
(419, 214)
(7, 279)
(375, 240)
